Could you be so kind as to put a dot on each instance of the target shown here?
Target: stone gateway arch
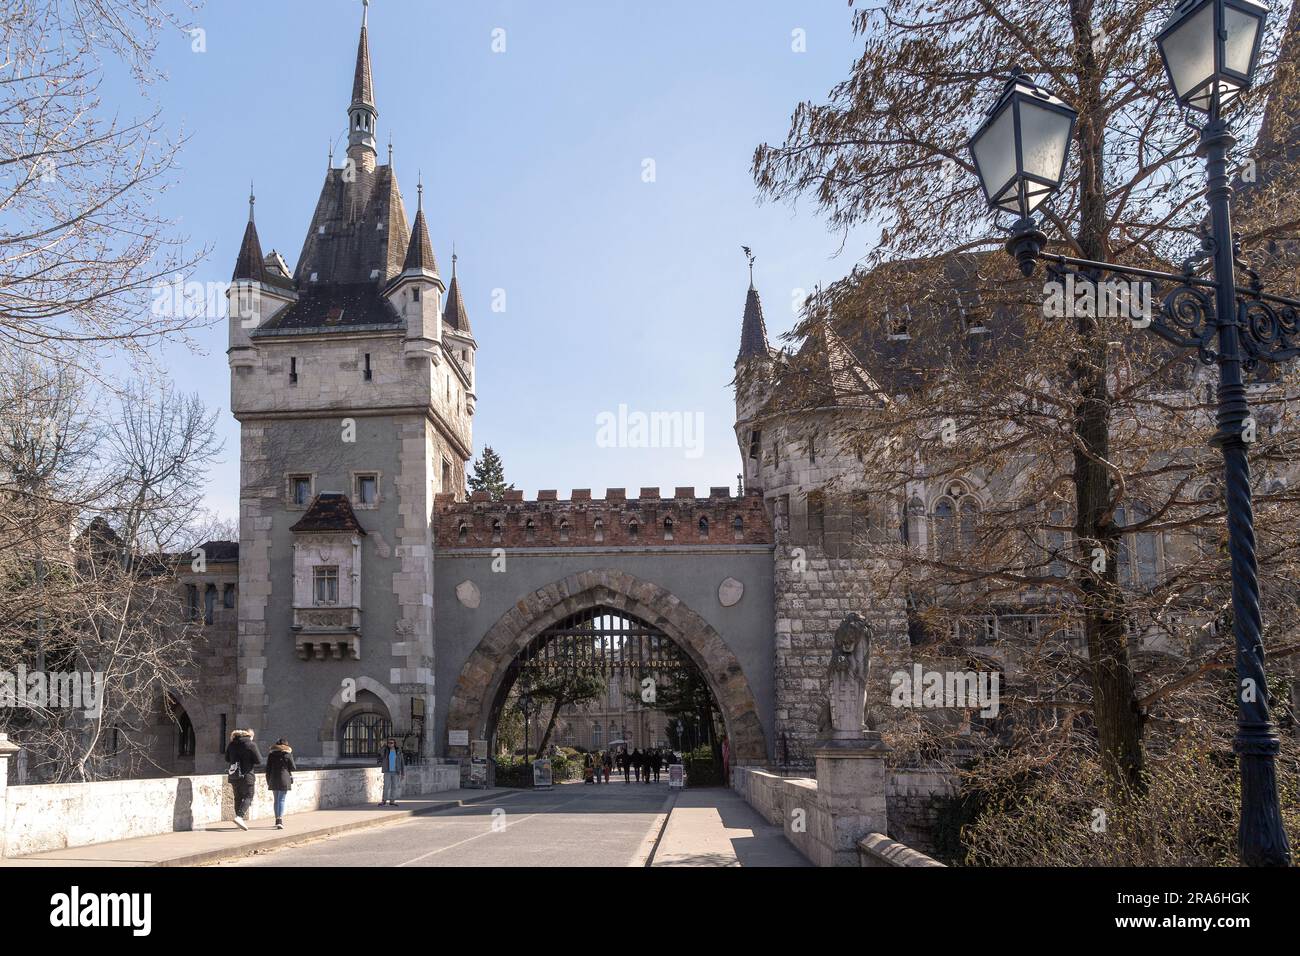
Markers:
(481, 687)
(698, 571)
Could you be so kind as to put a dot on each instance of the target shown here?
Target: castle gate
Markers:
(697, 571)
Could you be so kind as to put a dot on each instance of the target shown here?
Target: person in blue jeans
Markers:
(394, 767)
(279, 777)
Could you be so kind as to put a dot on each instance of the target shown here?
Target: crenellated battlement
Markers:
(648, 520)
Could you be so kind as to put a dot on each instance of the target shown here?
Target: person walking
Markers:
(279, 777)
(657, 762)
(242, 755)
(625, 764)
(637, 759)
(394, 767)
(608, 763)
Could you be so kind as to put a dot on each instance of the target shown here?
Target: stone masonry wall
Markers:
(813, 595)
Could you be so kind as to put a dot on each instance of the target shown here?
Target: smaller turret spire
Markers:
(454, 313)
(753, 330)
(251, 200)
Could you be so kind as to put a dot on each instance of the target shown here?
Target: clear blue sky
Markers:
(618, 291)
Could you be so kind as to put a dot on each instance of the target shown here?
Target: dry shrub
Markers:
(1063, 814)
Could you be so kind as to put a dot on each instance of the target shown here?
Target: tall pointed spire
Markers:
(753, 330)
(362, 112)
(362, 85)
(251, 200)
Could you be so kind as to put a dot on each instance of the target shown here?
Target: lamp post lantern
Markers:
(1020, 152)
(1211, 50)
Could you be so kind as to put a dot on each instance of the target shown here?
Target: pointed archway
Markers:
(479, 689)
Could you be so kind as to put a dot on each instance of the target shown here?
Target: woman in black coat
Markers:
(279, 777)
(242, 755)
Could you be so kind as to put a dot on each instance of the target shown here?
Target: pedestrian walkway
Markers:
(714, 826)
(224, 841)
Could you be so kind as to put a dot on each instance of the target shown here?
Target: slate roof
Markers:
(358, 232)
(357, 304)
(753, 330)
(220, 551)
(454, 313)
(329, 512)
(249, 264)
(419, 253)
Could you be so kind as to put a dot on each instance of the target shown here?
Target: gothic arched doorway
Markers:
(536, 621)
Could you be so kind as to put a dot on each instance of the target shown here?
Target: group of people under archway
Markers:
(641, 764)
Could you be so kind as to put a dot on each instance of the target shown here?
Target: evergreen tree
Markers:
(489, 475)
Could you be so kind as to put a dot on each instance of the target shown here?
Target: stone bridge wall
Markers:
(55, 816)
(794, 804)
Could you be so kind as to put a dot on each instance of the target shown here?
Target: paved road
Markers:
(571, 825)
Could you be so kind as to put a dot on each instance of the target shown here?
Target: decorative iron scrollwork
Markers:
(1268, 326)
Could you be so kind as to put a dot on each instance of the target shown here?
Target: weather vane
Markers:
(750, 256)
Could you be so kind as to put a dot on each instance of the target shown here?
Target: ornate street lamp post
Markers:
(1211, 50)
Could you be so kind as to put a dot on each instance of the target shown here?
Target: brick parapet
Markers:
(612, 521)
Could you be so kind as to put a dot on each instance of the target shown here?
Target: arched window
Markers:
(564, 530)
(704, 526)
(1138, 552)
(955, 519)
(969, 520)
(632, 530)
(184, 734)
(496, 529)
(945, 534)
(462, 535)
(363, 734)
(914, 521)
(598, 526)
(596, 736)
(668, 529)
(738, 527)
(530, 530)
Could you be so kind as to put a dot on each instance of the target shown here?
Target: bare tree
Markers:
(888, 150)
(88, 593)
(81, 245)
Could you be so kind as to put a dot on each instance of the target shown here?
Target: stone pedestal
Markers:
(851, 776)
(7, 750)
